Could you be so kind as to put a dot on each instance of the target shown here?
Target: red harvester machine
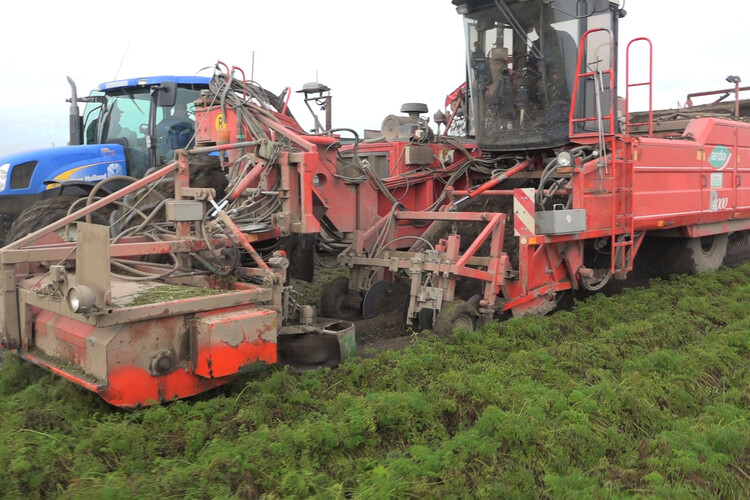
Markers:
(579, 184)
(555, 188)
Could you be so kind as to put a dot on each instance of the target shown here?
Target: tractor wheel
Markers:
(455, 315)
(338, 302)
(44, 213)
(564, 300)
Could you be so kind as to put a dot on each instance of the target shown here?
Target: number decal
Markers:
(716, 203)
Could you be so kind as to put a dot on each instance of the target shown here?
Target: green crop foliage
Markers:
(643, 394)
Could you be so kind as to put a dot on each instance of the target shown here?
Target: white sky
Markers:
(373, 55)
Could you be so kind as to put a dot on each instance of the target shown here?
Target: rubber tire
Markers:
(333, 301)
(695, 255)
(425, 318)
(44, 213)
(707, 254)
(455, 315)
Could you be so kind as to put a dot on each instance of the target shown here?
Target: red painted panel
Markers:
(743, 167)
(62, 337)
(667, 180)
(130, 386)
(230, 341)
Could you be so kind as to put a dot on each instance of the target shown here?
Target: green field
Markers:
(644, 394)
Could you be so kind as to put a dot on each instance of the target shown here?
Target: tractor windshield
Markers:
(522, 68)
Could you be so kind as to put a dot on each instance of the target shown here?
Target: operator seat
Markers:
(179, 135)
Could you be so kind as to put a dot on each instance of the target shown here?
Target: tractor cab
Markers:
(150, 118)
(523, 69)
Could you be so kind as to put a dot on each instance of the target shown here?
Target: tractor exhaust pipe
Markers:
(76, 122)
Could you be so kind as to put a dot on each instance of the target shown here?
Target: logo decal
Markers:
(720, 157)
(114, 169)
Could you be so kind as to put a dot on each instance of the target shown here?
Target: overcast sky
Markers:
(373, 55)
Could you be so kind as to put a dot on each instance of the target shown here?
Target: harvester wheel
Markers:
(667, 256)
(426, 318)
(44, 213)
(706, 254)
(455, 315)
(337, 301)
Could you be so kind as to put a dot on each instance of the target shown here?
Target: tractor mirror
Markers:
(167, 94)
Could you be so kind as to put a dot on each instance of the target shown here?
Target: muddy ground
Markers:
(388, 331)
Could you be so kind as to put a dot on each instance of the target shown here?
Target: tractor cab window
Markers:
(91, 119)
(522, 69)
(175, 126)
(126, 119)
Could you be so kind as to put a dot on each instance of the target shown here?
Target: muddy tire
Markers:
(44, 213)
(696, 255)
(707, 254)
(663, 257)
(338, 302)
(455, 315)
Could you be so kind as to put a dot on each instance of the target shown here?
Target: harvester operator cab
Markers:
(522, 68)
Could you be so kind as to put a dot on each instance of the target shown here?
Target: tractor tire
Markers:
(44, 213)
(338, 302)
(455, 315)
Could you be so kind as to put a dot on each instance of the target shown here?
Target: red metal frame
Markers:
(725, 93)
(647, 83)
(580, 74)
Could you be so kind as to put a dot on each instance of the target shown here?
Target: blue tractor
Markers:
(127, 127)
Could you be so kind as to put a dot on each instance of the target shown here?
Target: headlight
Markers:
(564, 158)
(4, 175)
(81, 299)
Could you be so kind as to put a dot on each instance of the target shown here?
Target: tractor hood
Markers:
(35, 171)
